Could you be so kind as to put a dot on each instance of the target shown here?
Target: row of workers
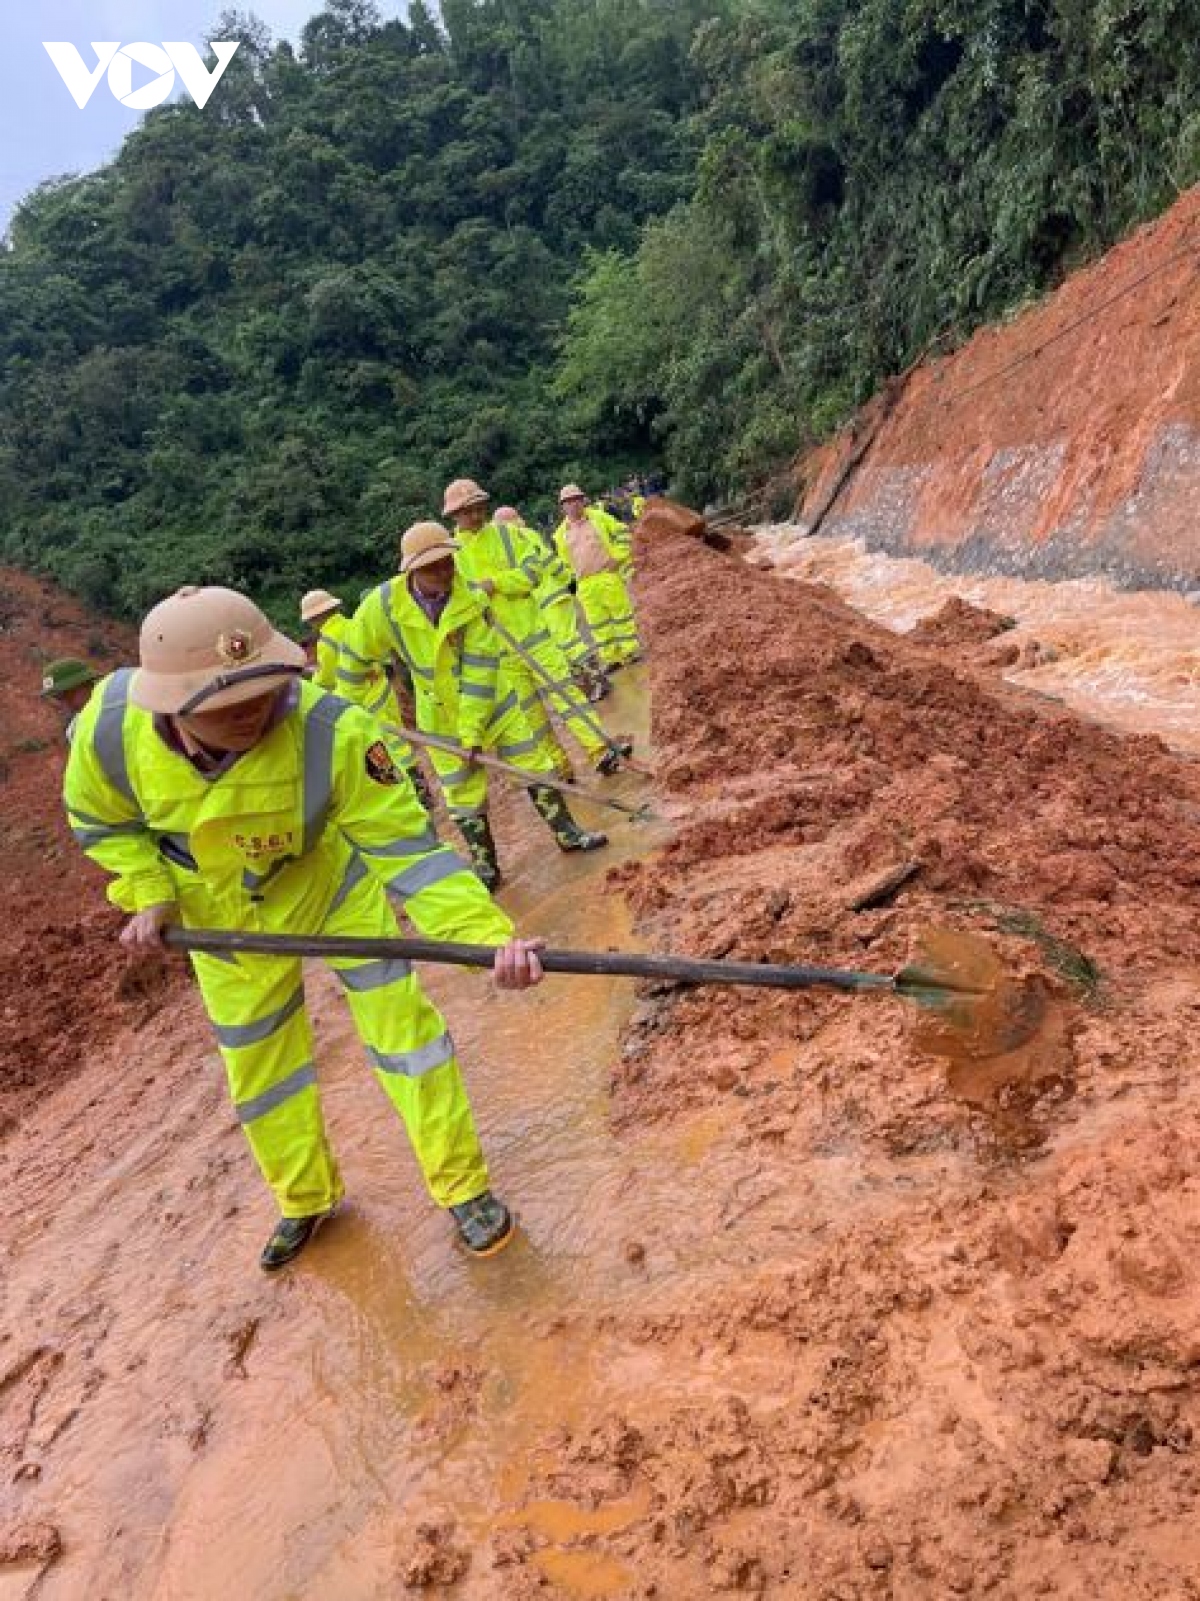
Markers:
(221, 788)
(485, 628)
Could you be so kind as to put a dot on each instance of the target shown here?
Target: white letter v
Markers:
(73, 72)
(185, 58)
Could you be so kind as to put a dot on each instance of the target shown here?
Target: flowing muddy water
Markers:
(1127, 658)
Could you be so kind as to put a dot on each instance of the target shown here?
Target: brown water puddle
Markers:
(1128, 658)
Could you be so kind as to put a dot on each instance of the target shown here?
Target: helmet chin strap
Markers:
(241, 675)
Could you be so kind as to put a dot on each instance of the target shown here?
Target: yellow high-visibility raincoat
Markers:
(378, 697)
(605, 598)
(507, 556)
(458, 689)
(308, 832)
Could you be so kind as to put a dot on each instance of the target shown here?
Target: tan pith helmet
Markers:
(463, 492)
(570, 492)
(506, 514)
(423, 544)
(203, 648)
(318, 603)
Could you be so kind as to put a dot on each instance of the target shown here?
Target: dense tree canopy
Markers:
(529, 239)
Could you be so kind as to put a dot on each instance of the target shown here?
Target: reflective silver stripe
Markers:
(414, 845)
(374, 975)
(108, 736)
(532, 571)
(542, 637)
(349, 650)
(258, 1105)
(479, 691)
(356, 871)
(522, 748)
(235, 1036)
(458, 776)
(467, 811)
(415, 1062)
(77, 816)
(411, 880)
(506, 705)
(176, 848)
(346, 675)
(486, 663)
(555, 596)
(253, 881)
(87, 837)
(506, 541)
(385, 596)
(319, 728)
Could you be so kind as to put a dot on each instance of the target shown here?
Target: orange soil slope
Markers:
(60, 993)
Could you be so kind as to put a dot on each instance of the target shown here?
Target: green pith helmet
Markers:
(67, 673)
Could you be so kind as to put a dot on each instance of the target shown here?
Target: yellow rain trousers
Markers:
(309, 832)
(515, 560)
(459, 689)
(604, 597)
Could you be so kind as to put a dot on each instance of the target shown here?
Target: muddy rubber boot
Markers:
(421, 784)
(592, 680)
(477, 831)
(288, 1238)
(610, 762)
(485, 1225)
(553, 809)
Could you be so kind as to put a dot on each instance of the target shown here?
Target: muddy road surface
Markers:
(800, 1308)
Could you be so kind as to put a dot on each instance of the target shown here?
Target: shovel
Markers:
(999, 1019)
(640, 814)
(582, 710)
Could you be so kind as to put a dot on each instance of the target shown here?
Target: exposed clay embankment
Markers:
(1066, 441)
(61, 995)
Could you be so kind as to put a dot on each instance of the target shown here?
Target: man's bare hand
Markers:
(142, 934)
(516, 966)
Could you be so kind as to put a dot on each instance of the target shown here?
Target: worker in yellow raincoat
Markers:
(327, 624)
(596, 548)
(559, 610)
(223, 791)
(428, 620)
(506, 569)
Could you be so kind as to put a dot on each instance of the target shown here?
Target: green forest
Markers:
(528, 240)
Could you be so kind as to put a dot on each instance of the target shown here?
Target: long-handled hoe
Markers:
(962, 981)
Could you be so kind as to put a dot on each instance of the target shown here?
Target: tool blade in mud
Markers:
(974, 1008)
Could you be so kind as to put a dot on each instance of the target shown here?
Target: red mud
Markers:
(841, 1321)
(60, 996)
(1066, 440)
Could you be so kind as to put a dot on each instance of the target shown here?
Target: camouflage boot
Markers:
(477, 832)
(553, 809)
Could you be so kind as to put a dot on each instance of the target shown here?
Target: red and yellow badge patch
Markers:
(380, 765)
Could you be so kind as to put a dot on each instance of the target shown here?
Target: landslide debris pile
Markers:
(950, 1342)
(63, 987)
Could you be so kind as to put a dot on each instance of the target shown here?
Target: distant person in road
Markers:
(560, 610)
(69, 682)
(508, 569)
(596, 548)
(222, 790)
(428, 618)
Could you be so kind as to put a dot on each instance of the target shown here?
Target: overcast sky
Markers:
(43, 133)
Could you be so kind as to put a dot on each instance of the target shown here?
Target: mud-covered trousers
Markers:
(256, 1004)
